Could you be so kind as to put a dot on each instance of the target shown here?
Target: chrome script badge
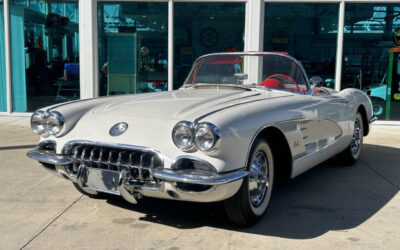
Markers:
(118, 129)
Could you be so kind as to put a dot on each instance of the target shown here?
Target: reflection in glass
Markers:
(44, 53)
(367, 64)
(201, 28)
(133, 41)
(306, 31)
(278, 71)
(3, 95)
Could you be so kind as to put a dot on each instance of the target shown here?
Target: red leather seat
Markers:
(273, 83)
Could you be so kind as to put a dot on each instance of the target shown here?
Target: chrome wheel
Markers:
(356, 141)
(258, 179)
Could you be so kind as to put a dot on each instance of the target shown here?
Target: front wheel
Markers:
(249, 204)
(351, 154)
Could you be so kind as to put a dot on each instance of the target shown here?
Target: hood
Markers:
(182, 104)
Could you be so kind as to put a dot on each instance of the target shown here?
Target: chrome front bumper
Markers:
(171, 184)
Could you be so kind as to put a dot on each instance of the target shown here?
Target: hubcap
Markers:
(258, 179)
(356, 141)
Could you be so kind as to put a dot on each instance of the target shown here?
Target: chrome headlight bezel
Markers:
(188, 127)
(38, 119)
(58, 122)
(212, 131)
(44, 119)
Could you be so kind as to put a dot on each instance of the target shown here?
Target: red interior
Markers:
(273, 83)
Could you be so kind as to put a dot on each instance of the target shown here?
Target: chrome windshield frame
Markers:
(254, 53)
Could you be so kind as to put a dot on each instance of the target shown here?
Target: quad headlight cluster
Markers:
(47, 123)
(189, 136)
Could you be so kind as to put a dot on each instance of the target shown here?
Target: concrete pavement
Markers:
(329, 207)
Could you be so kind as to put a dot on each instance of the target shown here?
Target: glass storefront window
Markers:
(367, 62)
(306, 31)
(3, 92)
(201, 28)
(44, 53)
(133, 47)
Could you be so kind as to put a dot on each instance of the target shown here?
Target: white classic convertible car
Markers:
(239, 121)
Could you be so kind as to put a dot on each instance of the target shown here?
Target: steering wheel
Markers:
(286, 78)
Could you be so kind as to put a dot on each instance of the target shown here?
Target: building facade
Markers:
(53, 51)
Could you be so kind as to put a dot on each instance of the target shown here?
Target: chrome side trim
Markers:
(187, 177)
(318, 150)
(49, 157)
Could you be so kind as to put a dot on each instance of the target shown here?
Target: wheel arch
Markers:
(364, 116)
(280, 150)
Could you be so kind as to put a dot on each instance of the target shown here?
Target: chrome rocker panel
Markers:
(222, 186)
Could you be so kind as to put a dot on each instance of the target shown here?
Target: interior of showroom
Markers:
(53, 51)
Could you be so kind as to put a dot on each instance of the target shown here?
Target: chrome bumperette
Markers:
(49, 157)
(161, 182)
(188, 176)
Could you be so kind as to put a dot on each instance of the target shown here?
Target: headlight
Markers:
(206, 137)
(37, 122)
(54, 123)
(182, 135)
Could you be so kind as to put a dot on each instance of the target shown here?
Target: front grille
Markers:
(139, 162)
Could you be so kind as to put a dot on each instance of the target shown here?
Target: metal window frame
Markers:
(88, 54)
(339, 37)
(7, 48)
(170, 32)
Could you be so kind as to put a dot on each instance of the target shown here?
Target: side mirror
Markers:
(316, 82)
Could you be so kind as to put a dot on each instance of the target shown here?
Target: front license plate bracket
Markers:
(102, 180)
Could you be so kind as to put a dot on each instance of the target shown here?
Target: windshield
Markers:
(267, 70)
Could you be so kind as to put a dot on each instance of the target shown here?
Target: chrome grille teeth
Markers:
(91, 157)
(75, 156)
(83, 154)
(139, 163)
(119, 160)
(109, 159)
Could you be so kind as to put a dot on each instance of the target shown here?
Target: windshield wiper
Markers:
(217, 85)
(256, 86)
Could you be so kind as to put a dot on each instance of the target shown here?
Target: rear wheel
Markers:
(351, 154)
(249, 204)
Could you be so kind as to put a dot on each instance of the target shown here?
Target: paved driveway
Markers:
(329, 207)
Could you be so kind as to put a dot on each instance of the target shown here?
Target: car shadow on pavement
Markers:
(327, 198)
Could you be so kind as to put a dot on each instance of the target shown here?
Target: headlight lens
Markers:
(207, 136)
(37, 122)
(182, 135)
(54, 123)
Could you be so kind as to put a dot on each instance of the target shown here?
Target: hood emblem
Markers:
(118, 129)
